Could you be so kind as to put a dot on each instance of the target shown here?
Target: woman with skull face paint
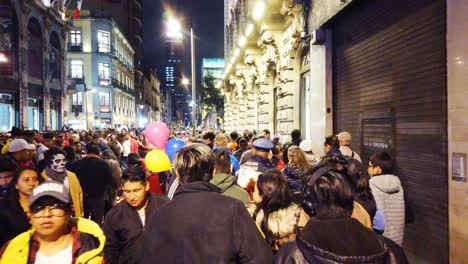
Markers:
(55, 171)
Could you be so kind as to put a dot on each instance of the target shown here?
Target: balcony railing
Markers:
(104, 81)
(75, 47)
(76, 79)
(112, 51)
(122, 87)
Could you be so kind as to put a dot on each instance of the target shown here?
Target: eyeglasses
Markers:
(57, 210)
(60, 160)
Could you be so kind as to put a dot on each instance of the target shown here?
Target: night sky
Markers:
(207, 17)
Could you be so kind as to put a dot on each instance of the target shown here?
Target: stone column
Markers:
(46, 75)
(23, 78)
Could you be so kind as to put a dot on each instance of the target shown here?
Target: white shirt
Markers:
(126, 148)
(62, 257)
(347, 151)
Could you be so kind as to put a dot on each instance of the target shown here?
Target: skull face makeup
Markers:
(58, 163)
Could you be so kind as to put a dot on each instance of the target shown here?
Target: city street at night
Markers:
(233, 131)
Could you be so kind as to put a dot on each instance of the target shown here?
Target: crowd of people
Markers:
(88, 197)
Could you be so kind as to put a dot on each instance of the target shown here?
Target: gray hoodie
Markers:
(388, 194)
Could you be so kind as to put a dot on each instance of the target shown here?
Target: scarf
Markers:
(55, 176)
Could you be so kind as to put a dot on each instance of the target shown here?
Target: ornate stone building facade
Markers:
(32, 64)
(264, 52)
(391, 73)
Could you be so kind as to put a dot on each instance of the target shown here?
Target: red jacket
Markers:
(133, 146)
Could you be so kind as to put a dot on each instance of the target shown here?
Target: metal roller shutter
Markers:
(389, 89)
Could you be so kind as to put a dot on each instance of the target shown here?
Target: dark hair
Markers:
(13, 194)
(7, 164)
(134, 173)
(358, 179)
(331, 196)
(70, 152)
(194, 163)
(274, 191)
(222, 161)
(58, 142)
(109, 155)
(209, 135)
(266, 131)
(48, 136)
(49, 154)
(332, 141)
(295, 134)
(243, 143)
(250, 135)
(383, 160)
(234, 135)
(133, 159)
(93, 149)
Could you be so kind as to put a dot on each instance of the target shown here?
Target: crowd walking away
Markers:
(173, 195)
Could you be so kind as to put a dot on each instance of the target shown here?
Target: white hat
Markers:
(344, 136)
(306, 145)
(19, 144)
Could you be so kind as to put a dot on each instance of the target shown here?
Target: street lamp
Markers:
(185, 82)
(175, 31)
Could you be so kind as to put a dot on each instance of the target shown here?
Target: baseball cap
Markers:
(50, 188)
(263, 144)
(306, 145)
(344, 136)
(19, 144)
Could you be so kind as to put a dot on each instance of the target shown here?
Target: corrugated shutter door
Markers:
(389, 57)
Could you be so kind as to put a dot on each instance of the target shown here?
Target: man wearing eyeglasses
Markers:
(55, 236)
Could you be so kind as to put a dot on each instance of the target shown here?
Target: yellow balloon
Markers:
(157, 161)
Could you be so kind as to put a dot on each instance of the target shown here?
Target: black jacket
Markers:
(202, 226)
(124, 230)
(13, 220)
(342, 240)
(94, 174)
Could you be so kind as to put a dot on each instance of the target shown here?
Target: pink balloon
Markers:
(158, 134)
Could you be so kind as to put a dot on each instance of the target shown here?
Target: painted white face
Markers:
(58, 163)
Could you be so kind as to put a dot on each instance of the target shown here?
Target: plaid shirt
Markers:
(76, 246)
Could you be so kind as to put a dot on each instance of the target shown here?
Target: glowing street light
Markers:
(259, 9)
(3, 58)
(174, 29)
(185, 81)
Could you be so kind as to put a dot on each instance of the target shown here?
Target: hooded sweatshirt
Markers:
(227, 184)
(388, 194)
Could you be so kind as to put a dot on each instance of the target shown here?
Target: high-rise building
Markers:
(173, 68)
(213, 67)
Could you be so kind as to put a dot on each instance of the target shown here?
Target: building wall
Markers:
(48, 88)
(457, 61)
(120, 86)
